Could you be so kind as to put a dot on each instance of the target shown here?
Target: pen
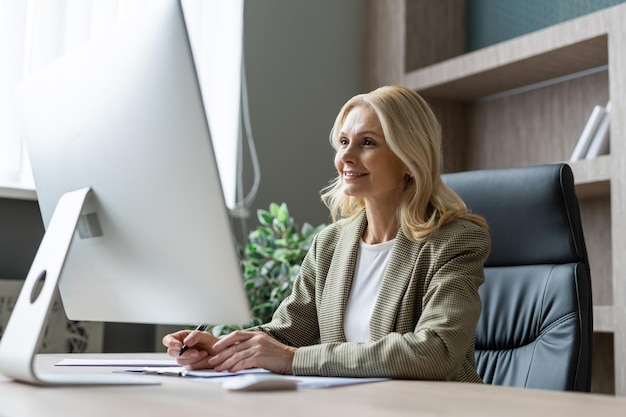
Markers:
(201, 327)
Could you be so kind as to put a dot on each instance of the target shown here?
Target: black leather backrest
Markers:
(531, 211)
(535, 328)
(534, 331)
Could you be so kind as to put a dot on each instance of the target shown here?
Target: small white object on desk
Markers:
(259, 382)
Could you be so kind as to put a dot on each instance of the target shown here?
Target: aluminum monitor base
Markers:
(25, 328)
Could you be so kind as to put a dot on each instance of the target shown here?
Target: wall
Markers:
(304, 60)
(492, 21)
(21, 230)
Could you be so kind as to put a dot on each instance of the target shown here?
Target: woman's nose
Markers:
(347, 154)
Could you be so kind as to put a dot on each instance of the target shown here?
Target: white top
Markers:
(368, 275)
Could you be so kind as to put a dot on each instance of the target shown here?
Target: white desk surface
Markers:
(178, 396)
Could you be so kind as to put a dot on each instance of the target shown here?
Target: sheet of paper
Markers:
(329, 382)
(303, 381)
(209, 373)
(319, 381)
(203, 373)
(117, 362)
(215, 376)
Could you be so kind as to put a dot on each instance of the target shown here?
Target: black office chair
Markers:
(536, 325)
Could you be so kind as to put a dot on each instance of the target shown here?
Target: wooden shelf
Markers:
(566, 49)
(592, 177)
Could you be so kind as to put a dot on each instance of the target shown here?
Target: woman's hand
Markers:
(200, 348)
(245, 349)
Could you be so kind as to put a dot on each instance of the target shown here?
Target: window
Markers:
(35, 32)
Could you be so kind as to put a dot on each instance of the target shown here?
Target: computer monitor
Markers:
(119, 144)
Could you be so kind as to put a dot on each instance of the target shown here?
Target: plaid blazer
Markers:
(424, 319)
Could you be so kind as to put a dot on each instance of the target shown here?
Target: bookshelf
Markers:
(522, 102)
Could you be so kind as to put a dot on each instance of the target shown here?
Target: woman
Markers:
(389, 289)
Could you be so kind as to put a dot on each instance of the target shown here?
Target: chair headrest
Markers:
(532, 212)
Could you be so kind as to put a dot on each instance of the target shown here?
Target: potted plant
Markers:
(271, 261)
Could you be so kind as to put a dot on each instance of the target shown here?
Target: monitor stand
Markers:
(25, 328)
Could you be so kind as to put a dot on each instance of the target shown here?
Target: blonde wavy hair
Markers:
(413, 134)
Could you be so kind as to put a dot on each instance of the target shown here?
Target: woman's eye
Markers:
(343, 141)
(368, 142)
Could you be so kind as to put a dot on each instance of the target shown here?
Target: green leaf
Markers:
(261, 306)
(267, 267)
(255, 255)
(278, 226)
(274, 209)
(265, 217)
(250, 271)
(285, 242)
(260, 236)
(283, 214)
(285, 255)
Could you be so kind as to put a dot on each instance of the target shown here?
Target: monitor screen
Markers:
(123, 115)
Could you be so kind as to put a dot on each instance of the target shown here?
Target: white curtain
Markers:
(35, 32)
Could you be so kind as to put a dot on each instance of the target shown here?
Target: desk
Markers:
(191, 397)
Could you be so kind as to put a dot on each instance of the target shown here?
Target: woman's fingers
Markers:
(243, 350)
(234, 352)
(174, 341)
(233, 338)
(235, 358)
(194, 359)
(196, 341)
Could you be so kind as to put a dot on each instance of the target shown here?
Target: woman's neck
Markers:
(382, 226)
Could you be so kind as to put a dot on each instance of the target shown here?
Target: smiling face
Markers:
(367, 166)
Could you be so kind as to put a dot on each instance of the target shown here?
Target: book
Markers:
(586, 137)
(600, 142)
